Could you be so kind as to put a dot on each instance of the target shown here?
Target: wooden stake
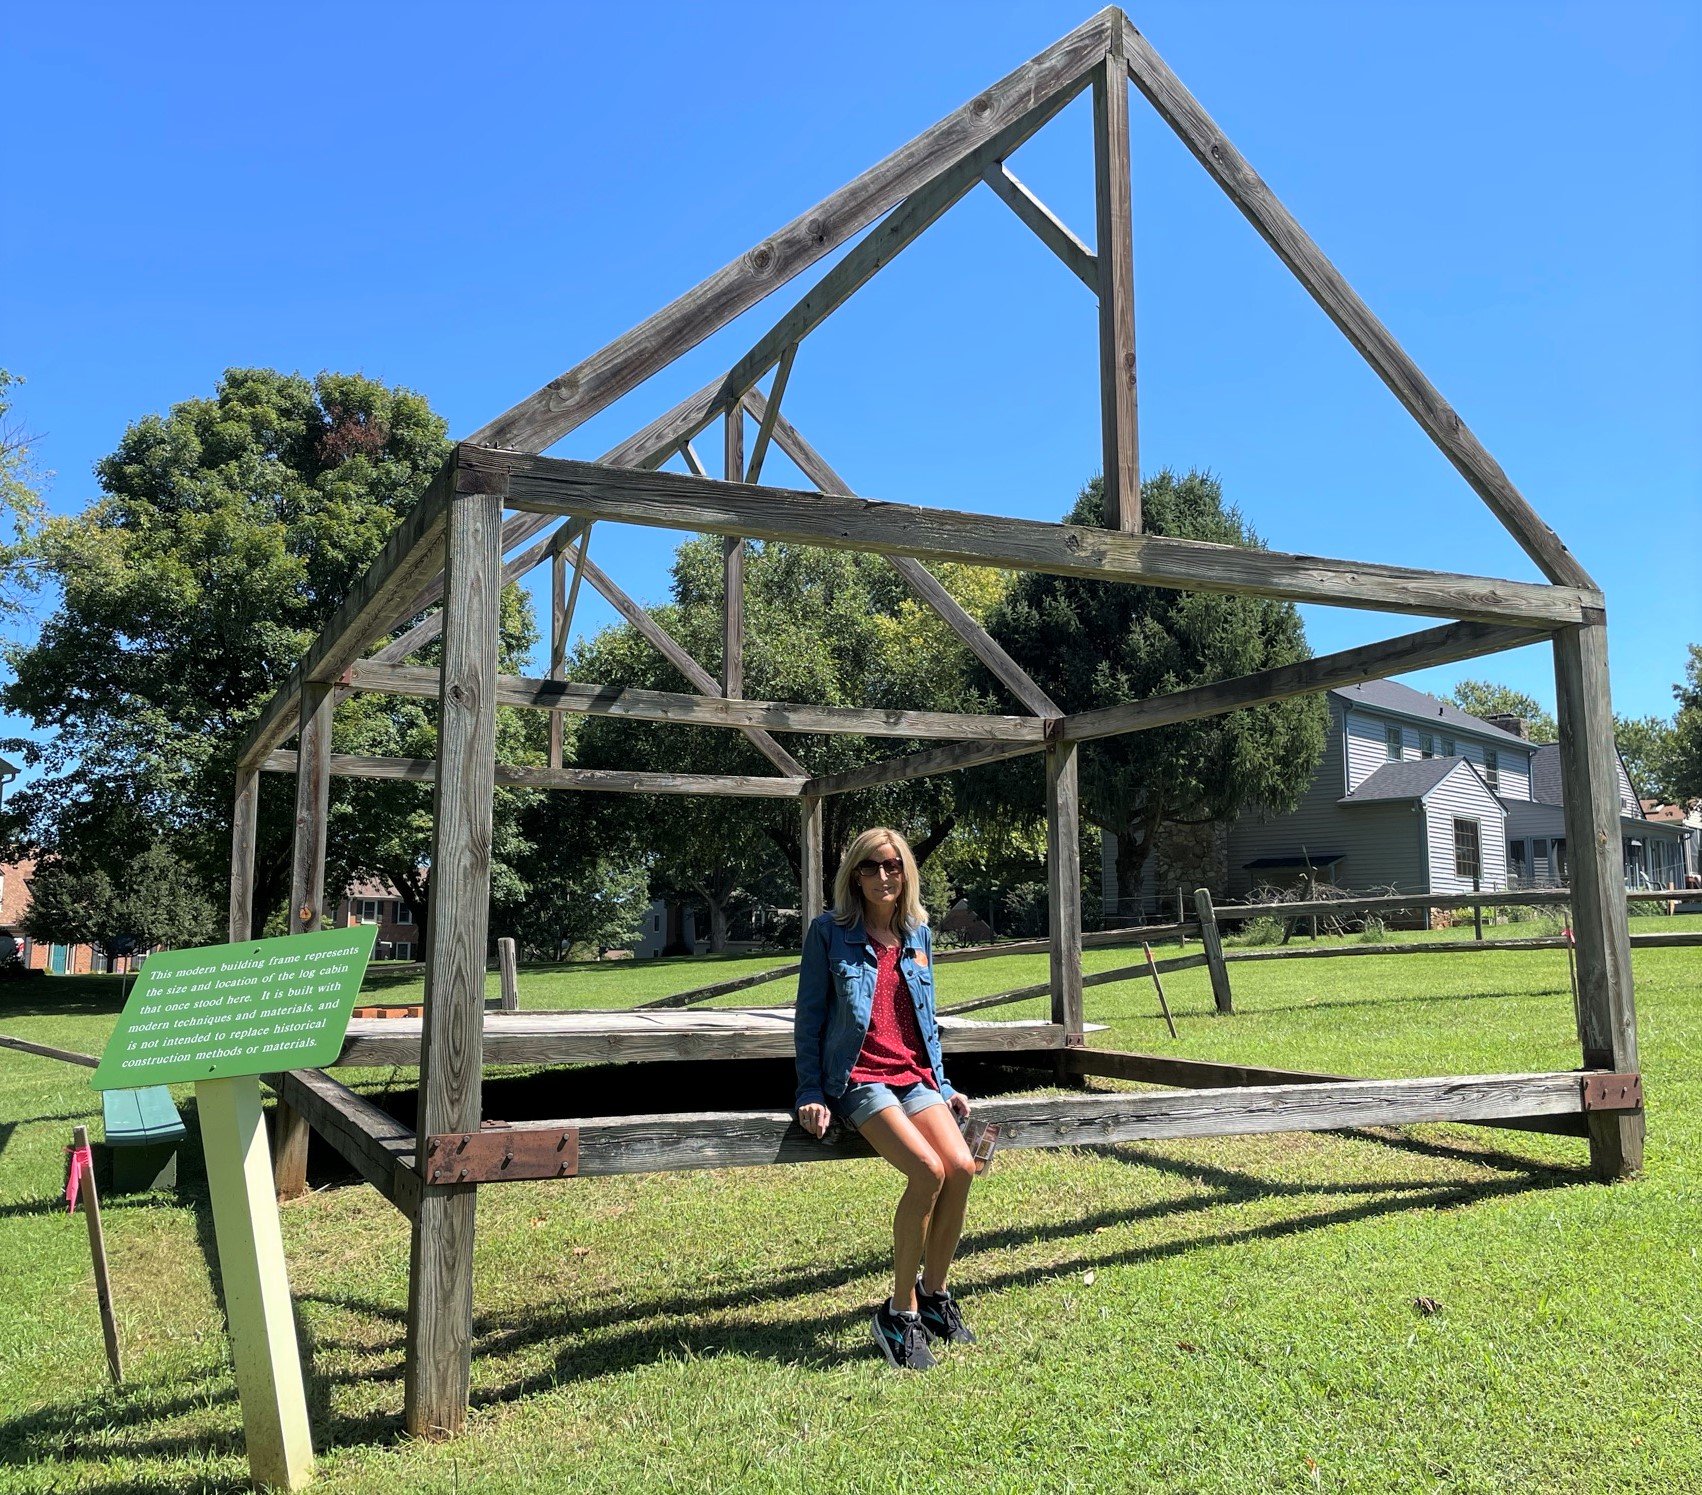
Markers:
(1063, 888)
(97, 1251)
(1158, 986)
(508, 963)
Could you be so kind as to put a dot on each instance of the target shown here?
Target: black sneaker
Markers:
(940, 1317)
(902, 1339)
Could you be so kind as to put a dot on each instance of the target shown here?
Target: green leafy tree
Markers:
(1642, 743)
(1484, 698)
(20, 502)
(1680, 759)
(152, 901)
(227, 532)
(1092, 643)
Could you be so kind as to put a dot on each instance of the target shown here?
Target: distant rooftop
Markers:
(1410, 780)
(1386, 695)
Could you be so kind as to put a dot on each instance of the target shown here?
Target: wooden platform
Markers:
(640, 1036)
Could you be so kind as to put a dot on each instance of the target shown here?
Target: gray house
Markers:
(1415, 795)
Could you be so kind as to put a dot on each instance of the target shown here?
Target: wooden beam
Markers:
(47, 1051)
(1325, 284)
(919, 766)
(721, 988)
(1413, 651)
(924, 586)
(765, 424)
(676, 501)
(709, 711)
(590, 386)
(440, 1279)
(626, 1037)
(558, 650)
(245, 817)
(1063, 887)
(1607, 1011)
(1119, 431)
(537, 776)
(722, 1139)
(1045, 224)
(733, 567)
(812, 861)
(695, 675)
(410, 555)
(369, 1140)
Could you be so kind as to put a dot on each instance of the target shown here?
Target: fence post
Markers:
(1214, 951)
(508, 962)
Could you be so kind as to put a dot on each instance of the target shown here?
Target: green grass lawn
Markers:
(1236, 1315)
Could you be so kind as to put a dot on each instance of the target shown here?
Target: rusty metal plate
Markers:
(494, 1153)
(1613, 1092)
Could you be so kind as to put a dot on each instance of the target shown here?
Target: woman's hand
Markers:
(814, 1119)
(959, 1106)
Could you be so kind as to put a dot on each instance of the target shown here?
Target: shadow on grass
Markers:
(64, 996)
(630, 1329)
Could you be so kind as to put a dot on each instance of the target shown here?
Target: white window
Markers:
(402, 950)
(1426, 745)
(368, 911)
(404, 914)
(1492, 768)
(1448, 748)
(1392, 743)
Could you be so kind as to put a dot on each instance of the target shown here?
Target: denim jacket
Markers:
(836, 989)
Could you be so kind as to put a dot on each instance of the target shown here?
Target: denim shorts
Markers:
(860, 1101)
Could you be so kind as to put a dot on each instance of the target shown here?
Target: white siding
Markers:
(1367, 747)
(1462, 795)
(1368, 750)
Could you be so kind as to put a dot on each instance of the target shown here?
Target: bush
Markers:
(1264, 930)
(1648, 908)
(1374, 932)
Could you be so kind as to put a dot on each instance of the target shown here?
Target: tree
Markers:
(1642, 743)
(1485, 698)
(20, 502)
(153, 901)
(1680, 763)
(1093, 643)
(227, 532)
(833, 627)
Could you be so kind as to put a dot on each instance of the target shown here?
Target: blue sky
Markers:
(468, 201)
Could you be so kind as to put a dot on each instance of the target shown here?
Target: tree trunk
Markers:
(674, 926)
(1134, 845)
(931, 842)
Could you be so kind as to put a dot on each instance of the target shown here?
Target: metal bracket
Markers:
(1075, 1040)
(495, 1153)
(1613, 1092)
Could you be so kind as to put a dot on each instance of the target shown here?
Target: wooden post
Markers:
(307, 901)
(1607, 1011)
(508, 963)
(1116, 255)
(244, 818)
(440, 1280)
(97, 1252)
(733, 569)
(1477, 908)
(1214, 951)
(256, 1283)
(810, 863)
(558, 645)
(1063, 889)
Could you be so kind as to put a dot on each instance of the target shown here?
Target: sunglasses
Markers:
(892, 867)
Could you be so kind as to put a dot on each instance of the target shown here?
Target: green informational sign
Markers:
(245, 1009)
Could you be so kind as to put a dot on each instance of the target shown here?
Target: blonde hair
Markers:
(848, 897)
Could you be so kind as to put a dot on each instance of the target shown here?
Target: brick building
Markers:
(61, 960)
(375, 901)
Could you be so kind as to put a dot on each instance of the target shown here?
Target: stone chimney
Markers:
(1513, 724)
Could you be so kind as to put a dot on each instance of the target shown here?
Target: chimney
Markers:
(1513, 724)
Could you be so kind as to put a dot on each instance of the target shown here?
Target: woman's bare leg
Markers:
(897, 1138)
(939, 1127)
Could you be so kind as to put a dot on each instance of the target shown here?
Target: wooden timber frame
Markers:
(451, 550)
